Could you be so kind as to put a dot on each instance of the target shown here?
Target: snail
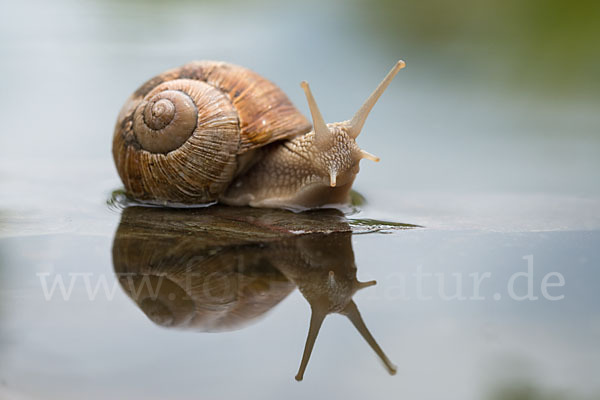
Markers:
(212, 131)
(218, 269)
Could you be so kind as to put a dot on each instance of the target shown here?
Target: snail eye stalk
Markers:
(323, 137)
(355, 125)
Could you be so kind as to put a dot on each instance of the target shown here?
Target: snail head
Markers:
(337, 154)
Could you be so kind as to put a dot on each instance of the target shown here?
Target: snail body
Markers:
(212, 131)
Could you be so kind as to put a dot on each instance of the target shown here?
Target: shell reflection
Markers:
(221, 268)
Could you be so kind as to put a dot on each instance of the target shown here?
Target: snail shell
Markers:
(185, 134)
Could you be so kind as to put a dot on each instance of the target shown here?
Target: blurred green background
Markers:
(541, 47)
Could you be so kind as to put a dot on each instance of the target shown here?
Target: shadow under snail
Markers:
(212, 131)
(219, 269)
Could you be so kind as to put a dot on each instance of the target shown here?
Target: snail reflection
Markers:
(219, 269)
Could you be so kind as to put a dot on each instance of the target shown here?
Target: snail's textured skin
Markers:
(237, 111)
(299, 174)
(211, 131)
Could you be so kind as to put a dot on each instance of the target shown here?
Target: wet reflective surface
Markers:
(190, 270)
(488, 144)
(173, 303)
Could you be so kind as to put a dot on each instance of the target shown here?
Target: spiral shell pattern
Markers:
(183, 154)
(178, 137)
(166, 119)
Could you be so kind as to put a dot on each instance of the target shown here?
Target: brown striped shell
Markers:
(178, 137)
